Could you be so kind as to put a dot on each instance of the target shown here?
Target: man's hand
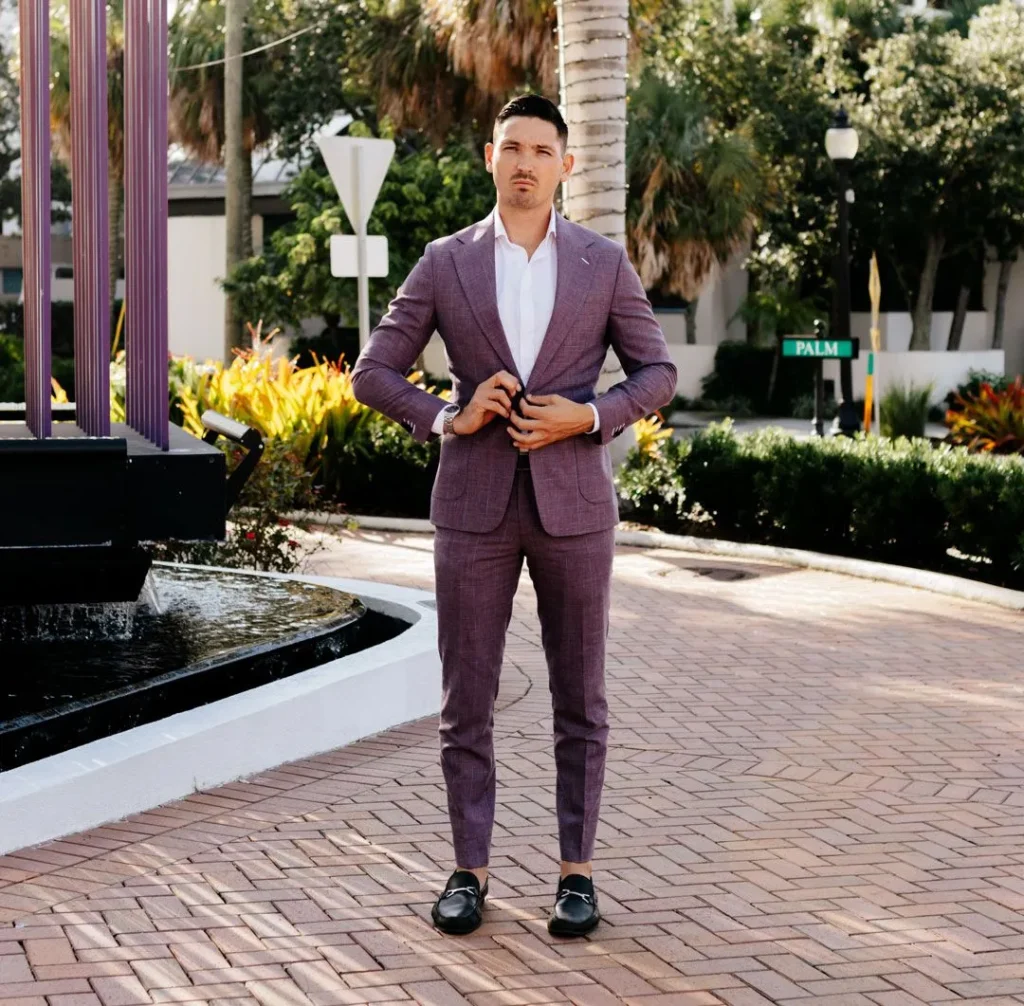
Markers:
(492, 398)
(547, 419)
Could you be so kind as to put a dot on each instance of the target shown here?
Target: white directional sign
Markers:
(345, 255)
(340, 154)
(357, 168)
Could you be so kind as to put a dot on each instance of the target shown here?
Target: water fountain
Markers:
(125, 684)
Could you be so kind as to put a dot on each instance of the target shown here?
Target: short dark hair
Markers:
(535, 106)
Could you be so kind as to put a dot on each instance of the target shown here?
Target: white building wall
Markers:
(195, 262)
(1013, 333)
(196, 251)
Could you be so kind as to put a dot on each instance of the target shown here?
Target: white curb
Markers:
(320, 709)
(938, 583)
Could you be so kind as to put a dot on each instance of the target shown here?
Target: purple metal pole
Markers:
(145, 122)
(89, 159)
(35, 210)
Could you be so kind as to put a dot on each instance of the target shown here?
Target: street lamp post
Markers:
(841, 142)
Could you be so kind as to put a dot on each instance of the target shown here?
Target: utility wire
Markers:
(252, 52)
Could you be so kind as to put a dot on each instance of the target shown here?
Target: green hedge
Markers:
(902, 502)
(743, 371)
(12, 370)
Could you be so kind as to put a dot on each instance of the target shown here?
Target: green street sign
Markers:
(822, 349)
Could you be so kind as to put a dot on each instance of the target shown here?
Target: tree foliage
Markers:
(425, 194)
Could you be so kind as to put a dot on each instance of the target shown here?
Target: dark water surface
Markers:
(196, 636)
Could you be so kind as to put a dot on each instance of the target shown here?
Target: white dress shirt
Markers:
(526, 298)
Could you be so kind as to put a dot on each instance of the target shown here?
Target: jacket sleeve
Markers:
(378, 378)
(640, 345)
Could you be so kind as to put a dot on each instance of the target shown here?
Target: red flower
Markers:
(292, 543)
(251, 535)
(284, 523)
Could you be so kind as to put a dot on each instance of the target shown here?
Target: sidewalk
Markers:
(813, 795)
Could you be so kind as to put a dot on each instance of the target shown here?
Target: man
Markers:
(526, 303)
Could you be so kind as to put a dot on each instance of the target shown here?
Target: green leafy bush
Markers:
(259, 536)
(380, 470)
(900, 501)
(62, 324)
(12, 370)
(743, 371)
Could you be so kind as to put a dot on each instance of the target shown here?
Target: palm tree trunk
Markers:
(247, 204)
(592, 50)
(921, 335)
(234, 162)
(1005, 268)
(115, 228)
(691, 323)
(956, 328)
(592, 36)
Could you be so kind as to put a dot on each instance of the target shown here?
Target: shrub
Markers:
(903, 410)
(743, 371)
(361, 460)
(12, 370)
(990, 420)
(62, 324)
(289, 405)
(971, 387)
(802, 407)
(333, 343)
(258, 535)
(380, 470)
(900, 501)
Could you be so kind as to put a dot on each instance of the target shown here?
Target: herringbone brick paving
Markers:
(813, 796)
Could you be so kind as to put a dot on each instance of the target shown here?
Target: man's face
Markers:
(527, 162)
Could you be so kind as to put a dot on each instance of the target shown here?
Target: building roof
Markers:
(191, 178)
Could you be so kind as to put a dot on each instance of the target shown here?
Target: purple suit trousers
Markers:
(556, 508)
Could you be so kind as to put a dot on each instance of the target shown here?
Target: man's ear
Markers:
(568, 163)
(488, 156)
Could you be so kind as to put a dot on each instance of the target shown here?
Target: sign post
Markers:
(357, 168)
(814, 347)
(871, 404)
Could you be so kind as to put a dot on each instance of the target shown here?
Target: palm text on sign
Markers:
(822, 349)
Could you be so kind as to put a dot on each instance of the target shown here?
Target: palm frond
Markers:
(696, 191)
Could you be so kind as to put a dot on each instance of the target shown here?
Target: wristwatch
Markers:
(449, 413)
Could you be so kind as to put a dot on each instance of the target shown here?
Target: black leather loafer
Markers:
(575, 912)
(458, 909)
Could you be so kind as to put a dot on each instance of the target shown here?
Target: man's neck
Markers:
(526, 228)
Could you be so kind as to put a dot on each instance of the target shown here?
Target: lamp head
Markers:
(841, 141)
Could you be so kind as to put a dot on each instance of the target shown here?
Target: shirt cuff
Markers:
(438, 426)
(597, 418)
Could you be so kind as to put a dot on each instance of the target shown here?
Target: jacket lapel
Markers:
(575, 277)
(474, 262)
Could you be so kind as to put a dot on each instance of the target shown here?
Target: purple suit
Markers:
(556, 508)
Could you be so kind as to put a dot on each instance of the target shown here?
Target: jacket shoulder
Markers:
(585, 237)
(466, 236)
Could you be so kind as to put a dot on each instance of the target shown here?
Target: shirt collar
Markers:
(500, 232)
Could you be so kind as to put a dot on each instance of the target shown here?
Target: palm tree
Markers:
(60, 114)
(196, 36)
(436, 63)
(695, 192)
(403, 53)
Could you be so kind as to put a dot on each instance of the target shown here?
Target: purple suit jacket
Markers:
(599, 301)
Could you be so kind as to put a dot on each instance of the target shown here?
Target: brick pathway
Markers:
(813, 796)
